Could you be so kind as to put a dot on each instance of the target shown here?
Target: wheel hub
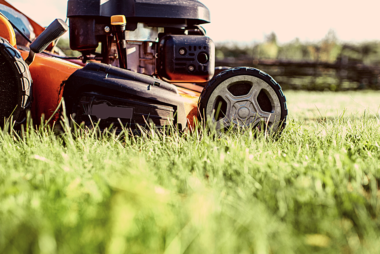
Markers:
(244, 112)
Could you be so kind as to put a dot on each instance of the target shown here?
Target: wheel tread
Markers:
(25, 78)
(211, 85)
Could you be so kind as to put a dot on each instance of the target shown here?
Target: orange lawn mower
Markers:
(142, 61)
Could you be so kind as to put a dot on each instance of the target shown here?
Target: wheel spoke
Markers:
(254, 92)
(224, 122)
(256, 121)
(264, 116)
(259, 111)
(228, 96)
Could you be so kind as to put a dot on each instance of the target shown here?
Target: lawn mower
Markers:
(142, 62)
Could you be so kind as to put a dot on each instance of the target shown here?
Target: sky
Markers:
(249, 21)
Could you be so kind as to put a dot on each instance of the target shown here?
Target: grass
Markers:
(314, 190)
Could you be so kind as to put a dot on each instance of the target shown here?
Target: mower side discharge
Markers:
(111, 95)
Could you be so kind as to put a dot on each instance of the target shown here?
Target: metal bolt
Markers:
(191, 68)
(107, 29)
(182, 51)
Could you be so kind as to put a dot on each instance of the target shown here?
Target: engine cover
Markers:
(111, 95)
(186, 58)
(184, 12)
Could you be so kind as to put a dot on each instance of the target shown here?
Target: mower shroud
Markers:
(50, 75)
(157, 67)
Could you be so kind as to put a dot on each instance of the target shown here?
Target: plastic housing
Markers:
(186, 58)
(179, 11)
(147, 99)
(88, 18)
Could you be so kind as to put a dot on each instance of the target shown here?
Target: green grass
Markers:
(314, 190)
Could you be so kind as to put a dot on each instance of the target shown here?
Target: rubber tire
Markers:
(218, 79)
(15, 84)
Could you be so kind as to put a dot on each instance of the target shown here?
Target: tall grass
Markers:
(315, 189)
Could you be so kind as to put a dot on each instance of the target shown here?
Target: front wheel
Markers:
(15, 84)
(242, 97)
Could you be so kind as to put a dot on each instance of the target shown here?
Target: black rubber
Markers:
(216, 80)
(15, 84)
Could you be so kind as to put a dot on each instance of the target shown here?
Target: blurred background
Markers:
(323, 45)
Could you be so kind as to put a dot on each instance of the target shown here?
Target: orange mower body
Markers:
(50, 73)
(142, 63)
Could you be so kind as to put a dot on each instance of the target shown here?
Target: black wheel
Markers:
(243, 97)
(15, 84)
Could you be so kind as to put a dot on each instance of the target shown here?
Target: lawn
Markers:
(313, 190)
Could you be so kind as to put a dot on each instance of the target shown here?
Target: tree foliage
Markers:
(329, 49)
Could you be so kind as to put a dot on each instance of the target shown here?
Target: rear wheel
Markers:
(242, 97)
(15, 84)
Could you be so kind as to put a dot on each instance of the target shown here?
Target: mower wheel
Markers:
(242, 97)
(15, 84)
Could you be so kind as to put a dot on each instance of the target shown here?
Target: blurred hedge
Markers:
(329, 49)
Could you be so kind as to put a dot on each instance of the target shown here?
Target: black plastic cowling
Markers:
(186, 58)
(142, 98)
(178, 11)
(88, 18)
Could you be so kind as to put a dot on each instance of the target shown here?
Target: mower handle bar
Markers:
(57, 28)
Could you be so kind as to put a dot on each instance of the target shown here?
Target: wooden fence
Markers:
(339, 75)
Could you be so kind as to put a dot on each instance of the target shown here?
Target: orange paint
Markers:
(190, 99)
(36, 27)
(48, 74)
(6, 31)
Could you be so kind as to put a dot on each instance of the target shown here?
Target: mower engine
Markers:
(144, 46)
(162, 38)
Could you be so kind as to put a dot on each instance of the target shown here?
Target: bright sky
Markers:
(250, 21)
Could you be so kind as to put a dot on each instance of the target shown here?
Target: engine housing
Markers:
(186, 58)
(163, 38)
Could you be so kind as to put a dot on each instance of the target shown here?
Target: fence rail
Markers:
(339, 75)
